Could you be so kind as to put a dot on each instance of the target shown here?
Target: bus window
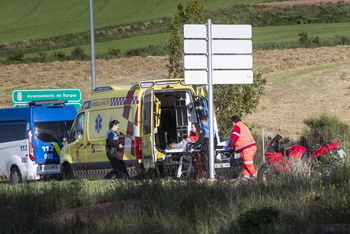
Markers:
(12, 132)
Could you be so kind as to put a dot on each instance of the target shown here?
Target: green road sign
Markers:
(21, 97)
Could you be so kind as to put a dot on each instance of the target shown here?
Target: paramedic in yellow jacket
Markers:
(242, 141)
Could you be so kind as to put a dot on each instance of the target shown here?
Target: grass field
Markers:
(36, 19)
(60, 24)
(288, 205)
(123, 44)
(290, 33)
(261, 35)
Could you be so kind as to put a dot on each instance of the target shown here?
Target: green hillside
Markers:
(32, 31)
(261, 36)
(36, 19)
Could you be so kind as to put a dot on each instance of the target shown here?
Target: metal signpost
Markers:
(93, 56)
(21, 97)
(217, 54)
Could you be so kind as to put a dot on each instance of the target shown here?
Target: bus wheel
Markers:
(67, 172)
(15, 176)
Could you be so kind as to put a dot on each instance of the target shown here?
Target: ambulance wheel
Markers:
(67, 172)
(15, 175)
(267, 172)
(139, 171)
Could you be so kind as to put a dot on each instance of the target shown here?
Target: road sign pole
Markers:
(210, 94)
(93, 57)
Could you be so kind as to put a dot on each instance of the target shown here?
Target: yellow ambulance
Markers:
(151, 113)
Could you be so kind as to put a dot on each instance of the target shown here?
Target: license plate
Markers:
(49, 169)
(341, 153)
(222, 165)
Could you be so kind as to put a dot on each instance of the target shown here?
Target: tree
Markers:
(236, 100)
(323, 129)
(228, 99)
(193, 14)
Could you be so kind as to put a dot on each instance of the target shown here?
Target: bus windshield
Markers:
(53, 131)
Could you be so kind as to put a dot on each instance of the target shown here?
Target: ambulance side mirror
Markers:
(66, 136)
(78, 134)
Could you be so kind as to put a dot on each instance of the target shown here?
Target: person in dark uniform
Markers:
(112, 146)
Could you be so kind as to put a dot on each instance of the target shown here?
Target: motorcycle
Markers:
(280, 160)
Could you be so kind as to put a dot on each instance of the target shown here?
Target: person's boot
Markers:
(122, 175)
(108, 175)
(206, 175)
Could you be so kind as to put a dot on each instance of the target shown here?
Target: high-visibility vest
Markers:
(245, 137)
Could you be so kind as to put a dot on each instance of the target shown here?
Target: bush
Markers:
(79, 54)
(115, 52)
(133, 52)
(60, 56)
(324, 129)
(257, 220)
(42, 57)
(304, 40)
(16, 56)
(150, 50)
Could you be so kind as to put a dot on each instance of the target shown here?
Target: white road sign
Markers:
(218, 31)
(224, 49)
(220, 76)
(219, 47)
(219, 62)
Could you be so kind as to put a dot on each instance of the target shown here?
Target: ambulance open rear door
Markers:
(147, 123)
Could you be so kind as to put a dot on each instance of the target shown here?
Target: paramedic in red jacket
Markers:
(242, 141)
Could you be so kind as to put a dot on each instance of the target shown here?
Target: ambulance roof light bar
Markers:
(47, 102)
(103, 88)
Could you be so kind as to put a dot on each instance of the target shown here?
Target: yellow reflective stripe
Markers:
(57, 148)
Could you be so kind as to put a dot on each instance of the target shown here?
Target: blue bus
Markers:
(31, 139)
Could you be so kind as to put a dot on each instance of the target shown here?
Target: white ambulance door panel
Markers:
(147, 123)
